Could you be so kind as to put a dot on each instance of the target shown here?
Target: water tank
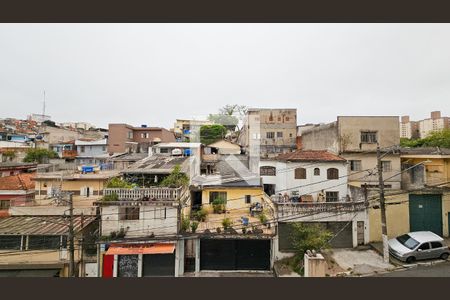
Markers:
(177, 152)
(143, 126)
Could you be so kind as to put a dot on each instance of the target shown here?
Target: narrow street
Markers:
(438, 270)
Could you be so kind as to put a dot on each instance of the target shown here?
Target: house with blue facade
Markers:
(91, 153)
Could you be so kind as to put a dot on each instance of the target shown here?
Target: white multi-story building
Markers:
(435, 123)
(409, 129)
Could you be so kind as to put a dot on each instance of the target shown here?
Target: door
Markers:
(158, 265)
(226, 254)
(360, 232)
(127, 266)
(425, 213)
(269, 189)
(424, 251)
(196, 200)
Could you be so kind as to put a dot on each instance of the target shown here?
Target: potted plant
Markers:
(185, 224)
(194, 226)
(219, 205)
(226, 223)
(201, 215)
(263, 219)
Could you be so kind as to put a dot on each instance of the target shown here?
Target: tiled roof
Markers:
(425, 151)
(310, 155)
(17, 182)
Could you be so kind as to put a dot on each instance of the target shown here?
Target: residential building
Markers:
(225, 147)
(269, 132)
(17, 188)
(184, 129)
(13, 151)
(308, 175)
(409, 129)
(435, 123)
(91, 152)
(39, 118)
(425, 166)
(77, 125)
(126, 138)
(140, 233)
(15, 168)
(65, 150)
(37, 246)
(355, 138)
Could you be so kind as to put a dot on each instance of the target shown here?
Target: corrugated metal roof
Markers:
(42, 225)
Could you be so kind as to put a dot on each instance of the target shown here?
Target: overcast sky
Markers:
(154, 73)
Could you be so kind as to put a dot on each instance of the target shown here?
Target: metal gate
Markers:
(342, 234)
(224, 254)
(425, 213)
(158, 265)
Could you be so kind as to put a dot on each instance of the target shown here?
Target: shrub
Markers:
(119, 183)
(185, 224)
(219, 205)
(194, 226)
(112, 197)
(175, 179)
(201, 215)
(39, 155)
(226, 223)
(263, 218)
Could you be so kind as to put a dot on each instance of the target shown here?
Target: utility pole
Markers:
(382, 207)
(71, 239)
(82, 270)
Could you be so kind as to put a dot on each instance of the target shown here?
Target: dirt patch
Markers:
(333, 269)
(284, 268)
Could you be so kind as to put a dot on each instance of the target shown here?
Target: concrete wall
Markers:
(43, 187)
(118, 136)
(151, 220)
(235, 196)
(285, 179)
(322, 137)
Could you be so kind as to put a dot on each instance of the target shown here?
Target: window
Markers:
(270, 135)
(355, 165)
(300, 173)
(217, 195)
(5, 204)
(145, 135)
(279, 134)
(129, 213)
(130, 134)
(332, 173)
(279, 119)
(82, 149)
(104, 148)
(256, 136)
(386, 166)
(332, 196)
(424, 246)
(435, 245)
(164, 150)
(10, 242)
(407, 241)
(37, 242)
(248, 199)
(267, 171)
(368, 136)
(316, 171)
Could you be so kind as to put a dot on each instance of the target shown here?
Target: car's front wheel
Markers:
(410, 259)
(444, 256)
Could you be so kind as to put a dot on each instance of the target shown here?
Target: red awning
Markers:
(160, 248)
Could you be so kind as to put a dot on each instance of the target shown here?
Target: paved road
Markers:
(438, 270)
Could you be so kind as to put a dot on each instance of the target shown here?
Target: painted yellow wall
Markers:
(235, 196)
(398, 217)
(71, 185)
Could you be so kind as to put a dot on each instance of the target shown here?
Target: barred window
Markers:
(300, 173)
(332, 173)
(129, 213)
(270, 135)
(267, 171)
(355, 165)
(316, 171)
(332, 196)
(368, 136)
(386, 166)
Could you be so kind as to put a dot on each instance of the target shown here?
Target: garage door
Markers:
(225, 254)
(158, 265)
(342, 234)
(425, 213)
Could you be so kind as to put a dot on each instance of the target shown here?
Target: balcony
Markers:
(290, 208)
(69, 154)
(145, 194)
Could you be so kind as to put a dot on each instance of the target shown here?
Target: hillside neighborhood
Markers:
(243, 192)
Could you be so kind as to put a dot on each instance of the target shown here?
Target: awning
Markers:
(160, 248)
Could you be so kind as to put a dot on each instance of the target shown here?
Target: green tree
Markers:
(229, 116)
(117, 182)
(212, 133)
(175, 179)
(39, 155)
(9, 155)
(439, 138)
(307, 237)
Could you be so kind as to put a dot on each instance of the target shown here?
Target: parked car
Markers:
(417, 246)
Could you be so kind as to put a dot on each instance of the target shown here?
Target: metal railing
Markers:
(156, 193)
(289, 208)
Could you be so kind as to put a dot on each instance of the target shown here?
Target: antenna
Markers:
(43, 108)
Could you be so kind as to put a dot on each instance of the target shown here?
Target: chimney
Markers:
(435, 114)
(405, 119)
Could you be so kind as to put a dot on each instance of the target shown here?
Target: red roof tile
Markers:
(17, 182)
(310, 155)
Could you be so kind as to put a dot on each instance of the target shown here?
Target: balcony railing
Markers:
(290, 208)
(69, 153)
(140, 194)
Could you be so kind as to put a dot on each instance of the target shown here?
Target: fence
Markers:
(317, 207)
(141, 193)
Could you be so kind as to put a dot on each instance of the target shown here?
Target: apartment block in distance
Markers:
(435, 123)
(409, 129)
(273, 131)
(126, 138)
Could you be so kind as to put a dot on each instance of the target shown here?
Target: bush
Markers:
(175, 179)
(263, 218)
(201, 215)
(119, 183)
(39, 155)
(185, 224)
(226, 223)
(219, 205)
(194, 226)
(112, 197)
